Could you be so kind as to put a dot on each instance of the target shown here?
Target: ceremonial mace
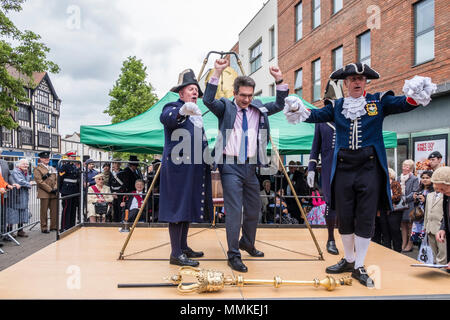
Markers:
(213, 281)
(278, 157)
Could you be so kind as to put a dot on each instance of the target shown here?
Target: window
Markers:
(316, 80)
(44, 139)
(55, 141)
(423, 31)
(42, 97)
(364, 48)
(272, 42)
(42, 117)
(338, 59)
(299, 82)
(298, 21)
(337, 6)
(6, 136)
(316, 13)
(26, 136)
(23, 113)
(255, 57)
(54, 121)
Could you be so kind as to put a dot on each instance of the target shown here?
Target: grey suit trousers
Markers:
(242, 204)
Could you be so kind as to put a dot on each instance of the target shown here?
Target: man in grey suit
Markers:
(240, 146)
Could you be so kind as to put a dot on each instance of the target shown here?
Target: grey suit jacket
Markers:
(225, 110)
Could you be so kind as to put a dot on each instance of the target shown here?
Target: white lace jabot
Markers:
(354, 107)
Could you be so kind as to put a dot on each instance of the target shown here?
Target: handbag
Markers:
(401, 206)
(101, 208)
(425, 253)
(416, 214)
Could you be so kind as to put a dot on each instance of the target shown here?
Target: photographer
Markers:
(417, 214)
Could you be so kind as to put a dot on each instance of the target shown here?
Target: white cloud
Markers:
(89, 40)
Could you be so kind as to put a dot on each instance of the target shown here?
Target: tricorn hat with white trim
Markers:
(186, 78)
(355, 69)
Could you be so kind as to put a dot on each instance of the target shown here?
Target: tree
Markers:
(131, 96)
(28, 55)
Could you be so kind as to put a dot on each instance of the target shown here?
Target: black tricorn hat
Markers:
(186, 78)
(355, 69)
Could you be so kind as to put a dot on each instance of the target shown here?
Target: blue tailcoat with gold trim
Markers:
(364, 131)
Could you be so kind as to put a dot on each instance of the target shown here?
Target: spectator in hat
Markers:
(359, 175)
(69, 184)
(117, 186)
(46, 180)
(90, 173)
(96, 195)
(441, 183)
(131, 174)
(435, 159)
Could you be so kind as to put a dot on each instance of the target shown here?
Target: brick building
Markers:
(398, 38)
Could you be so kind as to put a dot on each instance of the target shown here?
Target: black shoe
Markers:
(331, 247)
(193, 254)
(361, 275)
(183, 260)
(1, 244)
(341, 266)
(236, 264)
(45, 231)
(253, 251)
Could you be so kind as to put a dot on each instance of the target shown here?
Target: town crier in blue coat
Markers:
(323, 145)
(359, 173)
(185, 182)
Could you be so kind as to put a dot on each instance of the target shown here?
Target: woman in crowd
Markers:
(425, 187)
(410, 184)
(97, 203)
(316, 215)
(18, 211)
(267, 198)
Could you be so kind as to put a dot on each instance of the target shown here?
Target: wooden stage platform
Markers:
(85, 265)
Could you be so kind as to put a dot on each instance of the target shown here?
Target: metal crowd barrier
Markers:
(18, 211)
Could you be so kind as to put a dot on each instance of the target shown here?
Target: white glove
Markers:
(294, 110)
(197, 121)
(420, 89)
(190, 109)
(310, 178)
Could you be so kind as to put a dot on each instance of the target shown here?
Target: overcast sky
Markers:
(89, 40)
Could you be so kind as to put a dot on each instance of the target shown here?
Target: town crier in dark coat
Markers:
(323, 144)
(359, 173)
(185, 181)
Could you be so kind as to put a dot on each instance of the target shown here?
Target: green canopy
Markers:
(145, 133)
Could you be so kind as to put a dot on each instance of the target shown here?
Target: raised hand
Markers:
(220, 64)
(276, 73)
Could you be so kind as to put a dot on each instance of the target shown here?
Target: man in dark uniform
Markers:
(323, 144)
(359, 176)
(69, 183)
(117, 186)
(185, 180)
(296, 178)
